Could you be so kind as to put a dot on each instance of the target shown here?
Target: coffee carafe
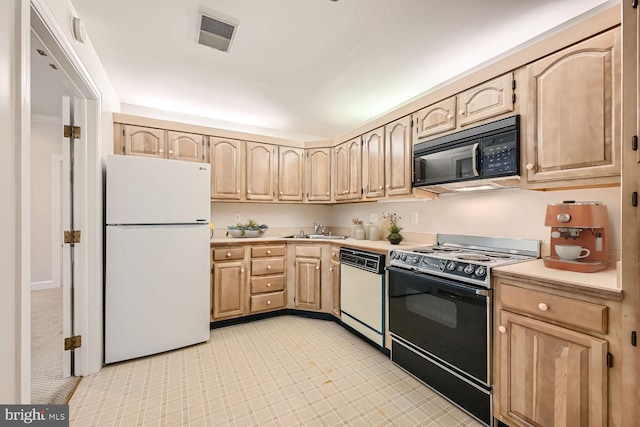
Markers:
(579, 236)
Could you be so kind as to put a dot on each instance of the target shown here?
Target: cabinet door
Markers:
(398, 156)
(185, 146)
(549, 375)
(341, 163)
(261, 167)
(373, 157)
(226, 168)
(228, 289)
(486, 100)
(335, 281)
(354, 160)
(141, 141)
(307, 282)
(290, 173)
(436, 118)
(574, 111)
(319, 174)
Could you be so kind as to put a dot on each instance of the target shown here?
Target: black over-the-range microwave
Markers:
(484, 152)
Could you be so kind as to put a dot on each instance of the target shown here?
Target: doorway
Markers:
(52, 380)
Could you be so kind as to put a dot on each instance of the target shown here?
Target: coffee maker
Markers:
(584, 224)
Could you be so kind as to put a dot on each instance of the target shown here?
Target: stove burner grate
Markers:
(472, 257)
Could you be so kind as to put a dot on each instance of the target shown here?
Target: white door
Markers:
(66, 225)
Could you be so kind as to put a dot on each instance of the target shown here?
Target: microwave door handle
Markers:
(474, 159)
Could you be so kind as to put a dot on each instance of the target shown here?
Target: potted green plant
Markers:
(394, 236)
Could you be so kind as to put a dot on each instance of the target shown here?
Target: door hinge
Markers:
(634, 143)
(634, 4)
(73, 342)
(513, 84)
(634, 338)
(634, 198)
(72, 236)
(609, 360)
(513, 98)
(72, 132)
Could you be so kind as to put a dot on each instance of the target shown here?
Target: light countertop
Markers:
(601, 283)
(381, 246)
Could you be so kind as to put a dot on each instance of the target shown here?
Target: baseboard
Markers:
(47, 284)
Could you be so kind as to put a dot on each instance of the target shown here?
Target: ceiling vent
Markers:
(216, 32)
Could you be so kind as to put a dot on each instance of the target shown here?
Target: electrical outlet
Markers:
(236, 217)
(373, 218)
(414, 217)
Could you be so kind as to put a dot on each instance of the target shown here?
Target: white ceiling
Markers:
(308, 69)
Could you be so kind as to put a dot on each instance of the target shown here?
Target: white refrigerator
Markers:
(157, 293)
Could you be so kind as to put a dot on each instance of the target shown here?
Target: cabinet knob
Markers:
(268, 267)
(529, 166)
(380, 188)
(268, 302)
(170, 151)
(248, 191)
(542, 306)
(268, 252)
(331, 269)
(317, 267)
(327, 193)
(268, 285)
(161, 151)
(334, 254)
(502, 329)
(242, 270)
(449, 116)
(228, 254)
(281, 193)
(238, 191)
(461, 112)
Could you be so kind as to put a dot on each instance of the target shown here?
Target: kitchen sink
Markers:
(315, 236)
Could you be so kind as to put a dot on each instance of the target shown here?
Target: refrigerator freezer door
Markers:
(157, 294)
(157, 191)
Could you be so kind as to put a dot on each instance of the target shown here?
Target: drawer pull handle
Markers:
(317, 267)
(331, 269)
(502, 329)
(542, 306)
(268, 302)
(268, 252)
(268, 267)
(228, 254)
(268, 285)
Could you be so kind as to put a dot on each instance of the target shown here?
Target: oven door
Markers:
(447, 165)
(444, 318)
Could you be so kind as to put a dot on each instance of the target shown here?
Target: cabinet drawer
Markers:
(309, 251)
(268, 301)
(580, 314)
(267, 266)
(267, 284)
(265, 251)
(235, 252)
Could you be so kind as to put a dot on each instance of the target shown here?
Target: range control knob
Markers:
(451, 265)
(481, 271)
(403, 257)
(469, 269)
(414, 260)
(563, 217)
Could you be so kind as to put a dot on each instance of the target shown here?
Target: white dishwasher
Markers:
(362, 293)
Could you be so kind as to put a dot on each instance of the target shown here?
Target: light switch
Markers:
(373, 218)
(236, 217)
(414, 217)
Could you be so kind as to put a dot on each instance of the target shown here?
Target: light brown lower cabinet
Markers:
(550, 375)
(267, 283)
(228, 289)
(554, 356)
(335, 282)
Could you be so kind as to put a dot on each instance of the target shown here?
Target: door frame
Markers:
(89, 180)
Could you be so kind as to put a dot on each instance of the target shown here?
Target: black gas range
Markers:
(466, 258)
(440, 314)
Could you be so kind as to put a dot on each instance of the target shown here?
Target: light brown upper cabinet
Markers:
(348, 169)
(261, 170)
(487, 100)
(573, 115)
(159, 143)
(227, 168)
(373, 157)
(185, 146)
(398, 156)
(318, 174)
(290, 173)
(436, 118)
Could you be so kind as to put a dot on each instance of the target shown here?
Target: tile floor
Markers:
(283, 371)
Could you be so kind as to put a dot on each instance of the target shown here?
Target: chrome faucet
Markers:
(318, 229)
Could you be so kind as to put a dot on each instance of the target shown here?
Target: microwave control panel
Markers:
(500, 156)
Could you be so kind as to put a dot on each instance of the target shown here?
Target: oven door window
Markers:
(442, 318)
(444, 166)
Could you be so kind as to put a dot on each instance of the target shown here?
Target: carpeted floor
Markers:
(47, 384)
